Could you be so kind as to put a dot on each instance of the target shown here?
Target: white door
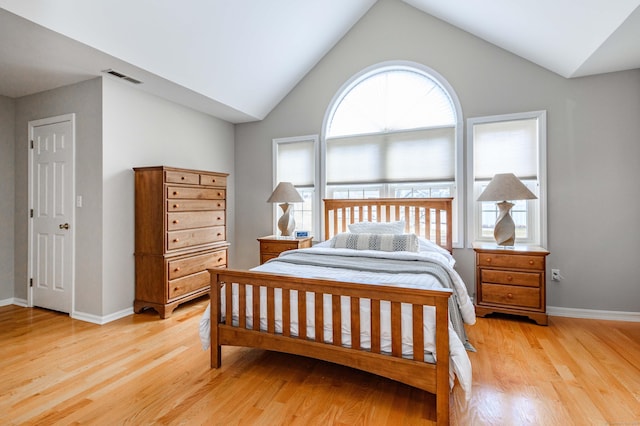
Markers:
(52, 196)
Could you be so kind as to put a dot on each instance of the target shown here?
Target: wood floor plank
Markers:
(144, 370)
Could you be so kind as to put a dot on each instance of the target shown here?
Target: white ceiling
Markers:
(237, 59)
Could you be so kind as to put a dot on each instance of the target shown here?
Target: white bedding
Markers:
(460, 363)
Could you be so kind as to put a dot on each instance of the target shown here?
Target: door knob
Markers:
(64, 226)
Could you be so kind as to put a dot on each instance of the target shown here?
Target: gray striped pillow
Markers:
(381, 242)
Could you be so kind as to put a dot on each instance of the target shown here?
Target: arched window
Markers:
(394, 130)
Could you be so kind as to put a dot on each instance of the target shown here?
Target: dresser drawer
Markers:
(195, 193)
(172, 176)
(527, 279)
(187, 220)
(211, 180)
(183, 267)
(268, 247)
(511, 261)
(188, 284)
(195, 205)
(521, 297)
(194, 237)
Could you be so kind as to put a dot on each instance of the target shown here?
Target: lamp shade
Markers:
(506, 186)
(285, 192)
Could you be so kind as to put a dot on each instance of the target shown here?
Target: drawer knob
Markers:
(488, 260)
(218, 234)
(509, 296)
(213, 181)
(509, 278)
(175, 192)
(219, 205)
(176, 221)
(219, 194)
(175, 206)
(175, 240)
(182, 178)
(176, 270)
(219, 259)
(531, 262)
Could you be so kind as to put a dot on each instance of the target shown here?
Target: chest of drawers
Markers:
(511, 280)
(180, 232)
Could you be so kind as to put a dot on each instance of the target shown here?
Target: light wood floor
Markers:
(142, 370)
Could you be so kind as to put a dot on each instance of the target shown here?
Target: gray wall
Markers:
(593, 146)
(144, 130)
(7, 172)
(117, 128)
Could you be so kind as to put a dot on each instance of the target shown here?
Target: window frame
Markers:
(536, 218)
(458, 184)
(316, 199)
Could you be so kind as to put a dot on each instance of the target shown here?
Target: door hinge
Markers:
(31, 213)
(31, 143)
(30, 282)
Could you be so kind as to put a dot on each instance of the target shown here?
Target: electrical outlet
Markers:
(555, 274)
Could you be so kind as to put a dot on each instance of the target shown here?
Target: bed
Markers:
(384, 273)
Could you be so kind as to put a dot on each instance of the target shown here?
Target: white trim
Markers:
(541, 116)
(593, 314)
(14, 301)
(101, 320)
(458, 189)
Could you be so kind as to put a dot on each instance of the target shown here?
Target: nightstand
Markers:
(273, 245)
(511, 280)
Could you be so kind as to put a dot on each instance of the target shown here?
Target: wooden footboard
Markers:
(433, 378)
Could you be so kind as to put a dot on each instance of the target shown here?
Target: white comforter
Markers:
(460, 363)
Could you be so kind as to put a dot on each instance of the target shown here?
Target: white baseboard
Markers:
(593, 314)
(13, 301)
(95, 319)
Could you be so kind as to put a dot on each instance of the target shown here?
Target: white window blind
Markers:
(296, 162)
(506, 147)
(420, 156)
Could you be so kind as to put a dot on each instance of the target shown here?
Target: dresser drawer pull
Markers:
(219, 205)
(219, 194)
(509, 278)
(531, 262)
(175, 240)
(220, 259)
(488, 260)
(175, 192)
(176, 221)
(219, 234)
(176, 269)
(175, 206)
(509, 296)
(182, 178)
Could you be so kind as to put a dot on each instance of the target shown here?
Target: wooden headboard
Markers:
(426, 217)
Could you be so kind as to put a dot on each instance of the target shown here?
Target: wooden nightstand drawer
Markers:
(272, 246)
(521, 297)
(511, 261)
(527, 279)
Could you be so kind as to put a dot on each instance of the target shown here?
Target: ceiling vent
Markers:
(122, 76)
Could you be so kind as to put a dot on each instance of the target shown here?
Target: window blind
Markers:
(506, 147)
(426, 155)
(296, 163)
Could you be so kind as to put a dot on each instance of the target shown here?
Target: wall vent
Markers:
(122, 76)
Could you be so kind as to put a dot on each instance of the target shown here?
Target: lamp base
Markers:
(505, 230)
(286, 223)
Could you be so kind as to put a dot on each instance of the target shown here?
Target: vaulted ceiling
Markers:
(237, 59)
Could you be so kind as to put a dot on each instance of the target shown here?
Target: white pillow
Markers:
(381, 242)
(377, 227)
